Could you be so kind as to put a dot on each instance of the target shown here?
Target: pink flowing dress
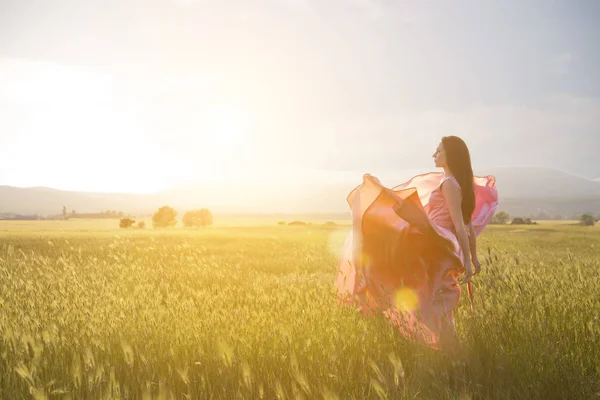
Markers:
(402, 257)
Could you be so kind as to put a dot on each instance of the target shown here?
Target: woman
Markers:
(409, 244)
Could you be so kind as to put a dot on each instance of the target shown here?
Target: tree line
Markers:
(166, 217)
(501, 218)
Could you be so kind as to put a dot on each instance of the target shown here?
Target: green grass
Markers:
(250, 312)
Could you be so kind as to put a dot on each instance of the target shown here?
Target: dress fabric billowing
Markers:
(403, 257)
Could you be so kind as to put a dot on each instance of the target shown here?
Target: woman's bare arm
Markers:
(473, 246)
(453, 197)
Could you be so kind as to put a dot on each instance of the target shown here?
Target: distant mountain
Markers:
(47, 201)
(529, 182)
(524, 191)
(543, 192)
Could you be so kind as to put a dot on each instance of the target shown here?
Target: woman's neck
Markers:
(447, 172)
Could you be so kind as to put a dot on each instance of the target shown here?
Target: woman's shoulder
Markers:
(450, 180)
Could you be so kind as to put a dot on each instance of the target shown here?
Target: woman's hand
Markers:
(477, 265)
(468, 271)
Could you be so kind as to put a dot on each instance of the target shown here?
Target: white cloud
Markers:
(560, 131)
(561, 63)
(371, 8)
(156, 116)
(298, 5)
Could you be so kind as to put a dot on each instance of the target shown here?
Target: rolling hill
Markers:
(536, 182)
(524, 191)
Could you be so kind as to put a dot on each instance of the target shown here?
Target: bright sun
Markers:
(227, 129)
(200, 137)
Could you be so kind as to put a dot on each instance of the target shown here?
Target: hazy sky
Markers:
(135, 95)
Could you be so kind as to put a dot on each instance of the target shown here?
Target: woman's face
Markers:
(440, 156)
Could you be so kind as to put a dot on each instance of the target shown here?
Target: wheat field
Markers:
(250, 312)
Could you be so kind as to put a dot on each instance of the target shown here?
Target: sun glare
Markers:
(214, 143)
(140, 142)
(227, 129)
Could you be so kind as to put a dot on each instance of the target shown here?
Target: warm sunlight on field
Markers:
(193, 191)
(250, 312)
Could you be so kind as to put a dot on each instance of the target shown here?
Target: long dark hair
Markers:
(459, 163)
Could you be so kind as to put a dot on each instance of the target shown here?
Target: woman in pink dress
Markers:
(409, 244)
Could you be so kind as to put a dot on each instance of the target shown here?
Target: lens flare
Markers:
(406, 299)
(336, 241)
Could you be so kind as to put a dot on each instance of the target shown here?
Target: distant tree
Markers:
(523, 221)
(121, 214)
(64, 213)
(73, 213)
(196, 218)
(280, 222)
(191, 219)
(206, 217)
(587, 219)
(164, 217)
(126, 222)
(297, 223)
(500, 218)
(141, 225)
